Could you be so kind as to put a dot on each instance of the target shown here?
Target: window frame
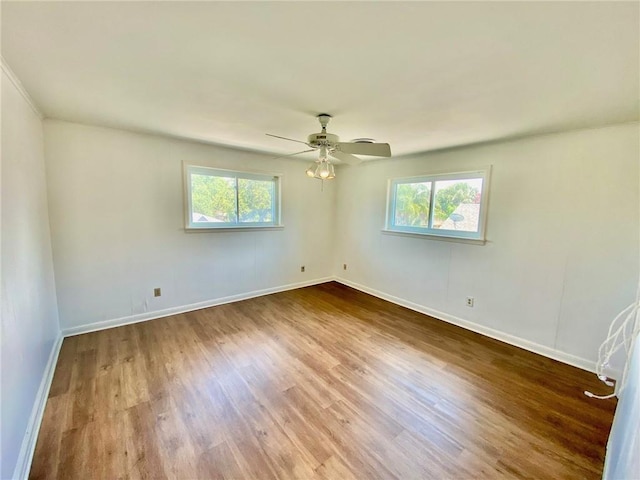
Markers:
(484, 173)
(190, 225)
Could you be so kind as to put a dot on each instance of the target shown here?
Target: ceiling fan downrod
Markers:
(324, 119)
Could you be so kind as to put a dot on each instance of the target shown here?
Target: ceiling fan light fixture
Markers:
(329, 145)
(323, 170)
(311, 171)
(332, 172)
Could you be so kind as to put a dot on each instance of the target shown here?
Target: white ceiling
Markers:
(420, 76)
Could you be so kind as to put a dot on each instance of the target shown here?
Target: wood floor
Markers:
(319, 383)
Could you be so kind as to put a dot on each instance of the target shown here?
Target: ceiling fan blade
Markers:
(345, 157)
(365, 148)
(292, 154)
(285, 138)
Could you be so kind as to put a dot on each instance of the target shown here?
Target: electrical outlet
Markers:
(469, 301)
(157, 292)
(302, 268)
(344, 266)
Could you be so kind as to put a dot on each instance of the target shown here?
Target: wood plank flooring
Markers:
(319, 383)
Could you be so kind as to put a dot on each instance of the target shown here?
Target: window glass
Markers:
(457, 204)
(213, 198)
(256, 200)
(449, 205)
(412, 204)
(223, 199)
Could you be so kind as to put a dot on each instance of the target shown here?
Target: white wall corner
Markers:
(27, 450)
(582, 363)
(18, 84)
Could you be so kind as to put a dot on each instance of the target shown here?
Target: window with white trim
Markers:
(218, 199)
(444, 205)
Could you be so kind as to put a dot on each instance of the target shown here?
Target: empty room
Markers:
(320, 240)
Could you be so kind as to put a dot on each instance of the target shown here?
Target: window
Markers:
(229, 199)
(444, 205)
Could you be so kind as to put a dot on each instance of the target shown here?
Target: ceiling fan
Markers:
(329, 145)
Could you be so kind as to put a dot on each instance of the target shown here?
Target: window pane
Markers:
(256, 200)
(412, 204)
(213, 199)
(457, 204)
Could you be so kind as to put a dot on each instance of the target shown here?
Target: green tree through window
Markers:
(221, 198)
(412, 204)
(214, 197)
(256, 200)
(444, 204)
(448, 199)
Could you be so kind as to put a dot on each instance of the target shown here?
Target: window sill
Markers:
(233, 229)
(430, 236)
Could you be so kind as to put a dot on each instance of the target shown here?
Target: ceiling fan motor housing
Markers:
(323, 138)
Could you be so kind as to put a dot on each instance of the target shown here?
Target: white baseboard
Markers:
(143, 317)
(30, 438)
(27, 449)
(543, 350)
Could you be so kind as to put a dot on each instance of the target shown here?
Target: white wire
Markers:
(629, 330)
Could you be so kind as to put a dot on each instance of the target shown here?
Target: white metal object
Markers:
(331, 146)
